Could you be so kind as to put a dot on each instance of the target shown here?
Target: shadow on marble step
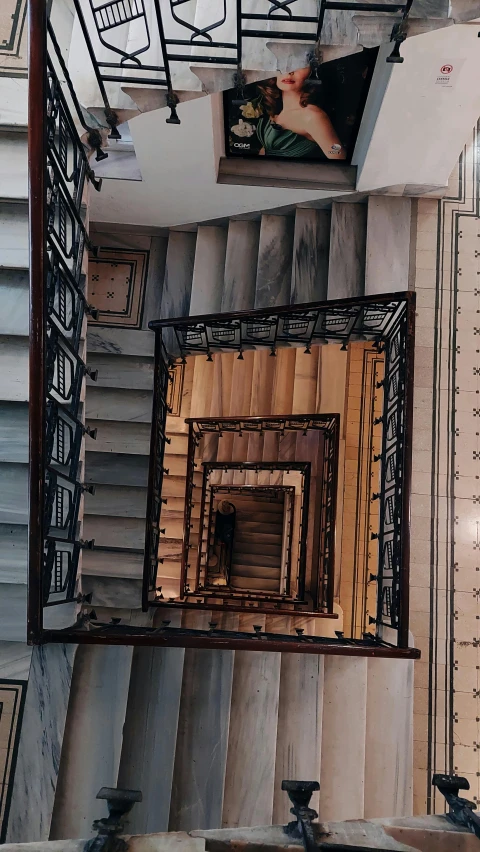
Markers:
(114, 592)
(241, 557)
(244, 567)
(115, 436)
(253, 583)
(14, 297)
(259, 548)
(123, 502)
(13, 493)
(13, 431)
(14, 235)
(14, 361)
(102, 563)
(13, 165)
(121, 371)
(115, 532)
(116, 469)
(120, 341)
(13, 553)
(121, 405)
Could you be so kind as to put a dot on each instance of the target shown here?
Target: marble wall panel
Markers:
(40, 745)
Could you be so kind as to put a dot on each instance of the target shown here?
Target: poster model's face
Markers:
(293, 81)
(312, 113)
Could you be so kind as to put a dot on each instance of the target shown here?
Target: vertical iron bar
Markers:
(404, 580)
(149, 537)
(333, 485)
(303, 544)
(200, 533)
(37, 166)
(91, 53)
(187, 512)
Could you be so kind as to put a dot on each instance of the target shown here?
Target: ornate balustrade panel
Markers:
(371, 318)
(59, 174)
(155, 42)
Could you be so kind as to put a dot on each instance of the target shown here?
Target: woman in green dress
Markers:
(295, 126)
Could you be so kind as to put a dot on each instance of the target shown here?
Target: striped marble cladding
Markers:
(201, 754)
(150, 734)
(310, 256)
(274, 267)
(348, 233)
(208, 270)
(41, 743)
(240, 265)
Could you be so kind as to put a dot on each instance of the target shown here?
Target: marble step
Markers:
(251, 539)
(120, 341)
(243, 581)
(119, 437)
(274, 267)
(13, 431)
(170, 549)
(299, 726)
(14, 296)
(128, 406)
(257, 570)
(257, 527)
(174, 486)
(113, 592)
(123, 502)
(13, 553)
(208, 270)
(310, 256)
(177, 465)
(116, 469)
(347, 252)
(13, 164)
(257, 547)
(121, 371)
(240, 265)
(389, 752)
(263, 504)
(104, 564)
(115, 532)
(274, 519)
(177, 284)
(14, 235)
(250, 765)
(14, 360)
(243, 558)
(13, 612)
(203, 731)
(150, 730)
(13, 493)
(342, 778)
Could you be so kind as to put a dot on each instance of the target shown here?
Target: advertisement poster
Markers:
(312, 113)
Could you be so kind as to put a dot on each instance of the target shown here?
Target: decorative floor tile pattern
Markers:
(117, 286)
(13, 38)
(445, 570)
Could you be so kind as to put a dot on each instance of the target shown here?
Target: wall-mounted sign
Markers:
(307, 114)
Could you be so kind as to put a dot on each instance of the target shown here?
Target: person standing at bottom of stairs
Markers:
(221, 558)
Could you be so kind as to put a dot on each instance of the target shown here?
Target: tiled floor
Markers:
(445, 570)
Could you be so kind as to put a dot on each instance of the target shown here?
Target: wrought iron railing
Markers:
(59, 172)
(323, 573)
(395, 479)
(163, 381)
(288, 587)
(167, 36)
(388, 323)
